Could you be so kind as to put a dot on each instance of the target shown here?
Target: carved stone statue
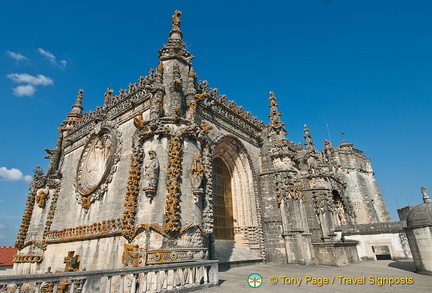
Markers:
(41, 196)
(426, 197)
(197, 177)
(176, 20)
(151, 175)
(197, 172)
(340, 213)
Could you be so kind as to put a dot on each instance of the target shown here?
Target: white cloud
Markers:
(2, 226)
(51, 58)
(13, 175)
(16, 56)
(47, 54)
(24, 90)
(30, 79)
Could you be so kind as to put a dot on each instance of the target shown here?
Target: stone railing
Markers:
(157, 278)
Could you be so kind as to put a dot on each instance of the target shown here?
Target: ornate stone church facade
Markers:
(170, 171)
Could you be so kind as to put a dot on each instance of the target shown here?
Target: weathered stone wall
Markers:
(272, 221)
(362, 188)
(335, 254)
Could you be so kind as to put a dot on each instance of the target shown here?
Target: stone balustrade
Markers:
(156, 278)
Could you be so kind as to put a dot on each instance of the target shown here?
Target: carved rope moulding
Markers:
(97, 165)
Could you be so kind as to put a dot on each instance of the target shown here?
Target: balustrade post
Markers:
(205, 275)
(165, 279)
(143, 282)
(182, 277)
(38, 287)
(18, 287)
(55, 286)
(83, 289)
(121, 283)
(108, 285)
(155, 281)
(134, 281)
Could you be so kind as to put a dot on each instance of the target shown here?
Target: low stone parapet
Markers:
(157, 278)
(376, 228)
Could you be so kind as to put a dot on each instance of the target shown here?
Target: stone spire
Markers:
(308, 137)
(75, 114)
(77, 107)
(275, 125)
(175, 48)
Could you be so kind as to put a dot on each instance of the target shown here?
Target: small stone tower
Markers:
(419, 233)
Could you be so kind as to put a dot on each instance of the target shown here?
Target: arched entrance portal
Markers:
(236, 225)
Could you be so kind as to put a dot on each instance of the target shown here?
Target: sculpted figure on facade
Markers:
(151, 175)
(340, 211)
(197, 172)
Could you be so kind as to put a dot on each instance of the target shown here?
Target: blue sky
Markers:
(361, 67)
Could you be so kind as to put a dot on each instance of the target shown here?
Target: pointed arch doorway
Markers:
(222, 198)
(236, 226)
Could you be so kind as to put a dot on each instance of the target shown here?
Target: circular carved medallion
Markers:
(96, 165)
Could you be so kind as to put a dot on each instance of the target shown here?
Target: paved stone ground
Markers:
(235, 279)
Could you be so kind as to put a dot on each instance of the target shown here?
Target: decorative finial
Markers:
(274, 115)
(77, 107)
(75, 114)
(79, 96)
(307, 137)
(327, 143)
(107, 95)
(426, 197)
(176, 20)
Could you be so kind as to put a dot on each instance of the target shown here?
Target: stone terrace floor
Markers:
(236, 279)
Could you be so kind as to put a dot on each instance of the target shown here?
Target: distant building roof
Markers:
(6, 255)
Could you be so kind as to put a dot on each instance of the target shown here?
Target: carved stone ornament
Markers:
(97, 165)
